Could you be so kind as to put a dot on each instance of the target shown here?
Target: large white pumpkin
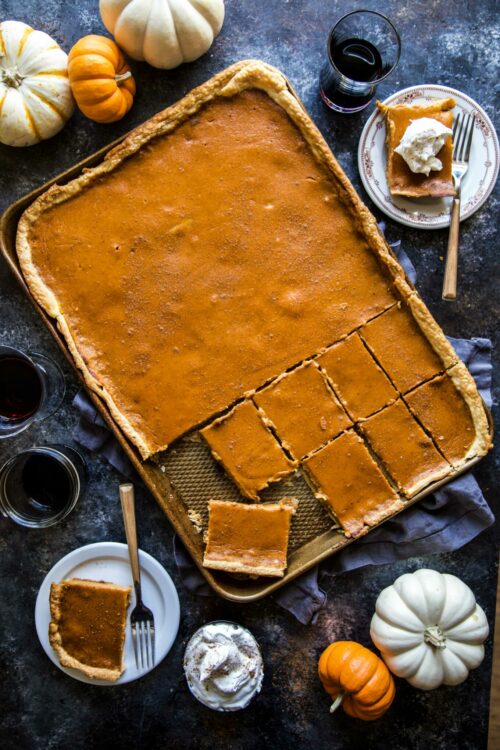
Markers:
(429, 629)
(165, 33)
(35, 96)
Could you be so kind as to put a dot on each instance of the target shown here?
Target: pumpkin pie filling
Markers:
(400, 178)
(349, 482)
(399, 345)
(250, 539)
(87, 628)
(360, 383)
(247, 449)
(205, 265)
(404, 448)
(303, 410)
(445, 414)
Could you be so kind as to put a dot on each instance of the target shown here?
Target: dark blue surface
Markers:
(446, 41)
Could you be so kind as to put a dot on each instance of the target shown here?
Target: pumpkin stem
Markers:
(435, 636)
(12, 77)
(336, 703)
(123, 77)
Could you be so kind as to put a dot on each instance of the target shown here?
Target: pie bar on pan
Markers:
(87, 628)
(400, 178)
(249, 539)
(217, 266)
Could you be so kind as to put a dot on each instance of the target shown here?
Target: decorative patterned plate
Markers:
(108, 561)
(429, 213)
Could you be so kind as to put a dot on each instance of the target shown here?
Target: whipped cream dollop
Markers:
(223, 666)
(422, 140)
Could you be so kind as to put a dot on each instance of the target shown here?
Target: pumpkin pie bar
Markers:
(247, 449)
(400, 178)
(349, 482)
(251, 539)
(303, 410)
(447, 415)
(359, 382)
(87, 627)
(406, 451)
(399, 345)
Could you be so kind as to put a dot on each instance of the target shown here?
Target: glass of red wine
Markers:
(31, 389)
(363, 49)
(41, 485)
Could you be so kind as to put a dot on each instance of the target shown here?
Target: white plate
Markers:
(429, 213)
(108, 561)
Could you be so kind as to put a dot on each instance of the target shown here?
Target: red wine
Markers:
(20, 388)
(345, 84)
(46, 483)
(357, 59)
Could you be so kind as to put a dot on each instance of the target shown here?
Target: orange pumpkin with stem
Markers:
(356, 678)
(100, 79)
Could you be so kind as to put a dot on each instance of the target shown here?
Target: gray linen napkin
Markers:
(441, 522)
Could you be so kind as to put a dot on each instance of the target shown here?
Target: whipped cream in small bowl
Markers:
(223, 666)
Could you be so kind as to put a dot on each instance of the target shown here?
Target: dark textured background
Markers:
(446, 41)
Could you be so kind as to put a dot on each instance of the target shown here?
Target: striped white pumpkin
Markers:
(429, 629)
(35, 96)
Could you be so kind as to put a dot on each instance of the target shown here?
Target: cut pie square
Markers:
(303, 409)
(247, 449)
(359, 382)
(399, 345)
(400, 178)
(402, 445)
(347, 479)
(446, 415)
(87, 628)
(250, 539)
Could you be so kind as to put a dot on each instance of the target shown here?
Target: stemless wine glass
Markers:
(41, 486)
(31, 389)
(363, 49)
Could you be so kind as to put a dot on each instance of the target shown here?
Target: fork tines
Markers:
(143, 640)
(463, 129)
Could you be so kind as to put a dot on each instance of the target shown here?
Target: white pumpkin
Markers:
(35, 96)
(429, 629)
(165, 33)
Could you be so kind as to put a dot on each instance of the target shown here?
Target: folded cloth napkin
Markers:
(441, 522)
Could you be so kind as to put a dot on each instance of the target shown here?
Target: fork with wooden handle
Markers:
(463, 129)
(141, 618)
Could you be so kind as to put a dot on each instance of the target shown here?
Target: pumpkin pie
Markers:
(400, 178)
(304, 411)
(251, 539)
(87, 627)
(446, 415)
(351, 484)
(359, 382)
(401, 348)
(247, 449)
(406, 451)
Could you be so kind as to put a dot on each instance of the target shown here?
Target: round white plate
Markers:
(429, 213)
(109, 561)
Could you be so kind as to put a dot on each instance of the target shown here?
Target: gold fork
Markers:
(463, 129)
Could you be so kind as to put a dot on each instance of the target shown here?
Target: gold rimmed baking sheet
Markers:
(185, 477)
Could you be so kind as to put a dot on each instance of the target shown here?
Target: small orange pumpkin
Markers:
(357, 678)
(100, 79)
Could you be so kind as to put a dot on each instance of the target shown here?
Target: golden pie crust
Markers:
(248, 450)
(400, 179)
(251, 539)
(349, 482)
(87, 628)
(302, 409)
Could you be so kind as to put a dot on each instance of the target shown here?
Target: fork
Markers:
(142, 623)
(463, 129)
